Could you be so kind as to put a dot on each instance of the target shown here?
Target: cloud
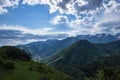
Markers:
(16, 35)
(85, 22)
(67, 6)
(31, 2)
(62, 4)
(91, 17)
(10, 42)
(9, 31)
(109, 26)
(23, 30)
(87, 6)
(60, 20)
(3, 10)
(88, 13)
(105, 20)
(108, 19)
(7, 3)
(112, 6)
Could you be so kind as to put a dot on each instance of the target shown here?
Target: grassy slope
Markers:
(79, 53)
(26, 70)
(22, 72)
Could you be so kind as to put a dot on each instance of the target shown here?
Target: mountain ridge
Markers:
(44, 49)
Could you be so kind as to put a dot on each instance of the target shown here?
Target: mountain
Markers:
(17, 65)
(78, 53)
(81, 53)
(43, 49)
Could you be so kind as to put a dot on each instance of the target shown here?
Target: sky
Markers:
(25, 21)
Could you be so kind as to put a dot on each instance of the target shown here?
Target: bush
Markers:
(13, 53)
(31, 68)
(39, 69)
(9, 65)
(43, 78)
(1, 61)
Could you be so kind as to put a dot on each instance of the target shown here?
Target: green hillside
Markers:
(75, 59)
(79, 53)
(16, 65)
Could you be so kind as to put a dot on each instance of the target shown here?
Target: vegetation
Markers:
(87, 61)
(82, 61)
(13, 53)
(16, 65)
(109, 70)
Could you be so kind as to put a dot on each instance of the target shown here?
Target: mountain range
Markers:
(44, 49)
(80, 60)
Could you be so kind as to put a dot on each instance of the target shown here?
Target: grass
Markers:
(15, 64)
(29, 70)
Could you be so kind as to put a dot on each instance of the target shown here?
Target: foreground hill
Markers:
(74, 58)
(16, 65)
(43, 49)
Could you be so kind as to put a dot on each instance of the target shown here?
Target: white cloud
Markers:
(35, 40)
(67, 6)
(112, 6)
(103, 16)
(60, 20)
(41, 31)
(7, 3)
(14, 42)
(16, 35)
(85, 22)
(9, 31)
(11, 42)
(31, 2)
(108, 18)
(3, 10)
(105, 20)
